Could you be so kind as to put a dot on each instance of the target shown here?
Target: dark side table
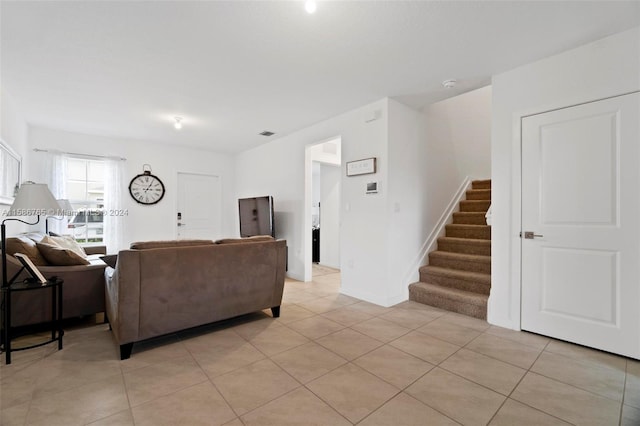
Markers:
(55, 285)
(110, 259)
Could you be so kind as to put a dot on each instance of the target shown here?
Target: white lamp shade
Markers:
(34, 199)
(67, 208)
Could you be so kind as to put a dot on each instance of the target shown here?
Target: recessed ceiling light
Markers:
(310, 6)
(449, 84)
(178, 123)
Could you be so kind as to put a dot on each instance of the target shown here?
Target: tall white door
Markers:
(581, 202)
(199, 199)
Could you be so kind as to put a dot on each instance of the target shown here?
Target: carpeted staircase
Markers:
(458, 277)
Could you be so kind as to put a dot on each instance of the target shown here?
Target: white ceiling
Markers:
(233, 69)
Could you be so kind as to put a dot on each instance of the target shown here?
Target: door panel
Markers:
(566, 274)
(581, 195)
(578, 160)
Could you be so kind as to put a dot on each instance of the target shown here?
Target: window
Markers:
(84, 186)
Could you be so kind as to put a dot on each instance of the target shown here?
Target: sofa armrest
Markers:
(95, 249)
(122, 296)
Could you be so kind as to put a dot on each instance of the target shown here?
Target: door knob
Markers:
(528, 235)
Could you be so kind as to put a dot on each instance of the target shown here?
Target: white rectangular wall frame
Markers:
(10, 173)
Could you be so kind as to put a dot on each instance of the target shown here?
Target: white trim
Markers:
(437, 232)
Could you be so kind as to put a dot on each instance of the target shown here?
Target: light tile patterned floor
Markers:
(328, 360)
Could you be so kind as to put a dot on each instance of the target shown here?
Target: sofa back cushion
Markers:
(146, 245)
(60, 256)
(26, 246)
(254, 239)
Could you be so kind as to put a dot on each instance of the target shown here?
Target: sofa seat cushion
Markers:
(60, 256)
(146, 245)
(254, 239)
(26, 246)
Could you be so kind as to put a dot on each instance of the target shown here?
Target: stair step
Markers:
(481, 184)
(479, 232)
(464, 245)
(463, 302)
(469, 218)
(475, 282)
(474, 205)
(461, 262)
(479, 194)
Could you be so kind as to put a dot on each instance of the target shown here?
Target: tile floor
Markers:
(328, 360)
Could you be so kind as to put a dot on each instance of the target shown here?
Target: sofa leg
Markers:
(125, 350)
(276, 311)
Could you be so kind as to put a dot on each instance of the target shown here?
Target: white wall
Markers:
(607, 67)
(278, 169)
(330, 215)
(462, 126)
(145, 222)
(410, 208)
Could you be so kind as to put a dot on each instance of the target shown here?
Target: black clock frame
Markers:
(147, 173)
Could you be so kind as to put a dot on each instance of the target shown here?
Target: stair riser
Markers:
(474, 206)
(483, 250)
(481, 184)
(452, 282)
(465, 219)
(460, 265)
(479, 194)
(448, 304)
(483, 233)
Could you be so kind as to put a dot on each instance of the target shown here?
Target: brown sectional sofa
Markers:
(161, 288)
(83, 288)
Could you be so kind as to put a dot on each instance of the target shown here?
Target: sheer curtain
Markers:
(56, 170)
(114, 212)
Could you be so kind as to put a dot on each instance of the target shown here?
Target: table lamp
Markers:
(32, 199)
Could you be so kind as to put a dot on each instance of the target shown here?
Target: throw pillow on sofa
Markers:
(65, 241)
(60, 256)
(27, 247)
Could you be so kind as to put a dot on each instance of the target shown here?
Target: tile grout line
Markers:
(624, 391)
(528, 370)
(210, 380)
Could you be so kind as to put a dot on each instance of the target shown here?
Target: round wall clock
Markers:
(146, 188)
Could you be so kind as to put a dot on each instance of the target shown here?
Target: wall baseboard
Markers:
(438, 231)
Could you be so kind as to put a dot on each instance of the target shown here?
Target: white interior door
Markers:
(199, 199)
(580, 194)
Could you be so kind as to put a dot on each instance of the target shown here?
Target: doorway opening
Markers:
(322, 208)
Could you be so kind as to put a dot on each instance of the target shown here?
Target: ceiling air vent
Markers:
(267, 133)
